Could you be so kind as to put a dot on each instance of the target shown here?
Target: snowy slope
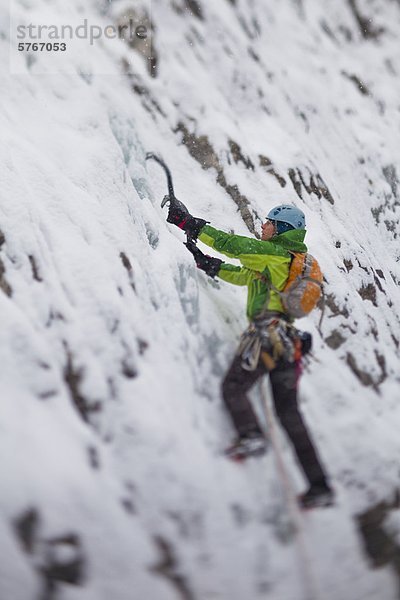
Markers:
(113, 345)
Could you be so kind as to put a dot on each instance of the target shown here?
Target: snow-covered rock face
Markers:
(113, 345)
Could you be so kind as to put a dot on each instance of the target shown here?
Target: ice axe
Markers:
(171, 198)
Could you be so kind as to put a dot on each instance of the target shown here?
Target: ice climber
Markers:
(271, 344)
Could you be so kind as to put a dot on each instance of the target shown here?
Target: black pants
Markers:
(238, 381)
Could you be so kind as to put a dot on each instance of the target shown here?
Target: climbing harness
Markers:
(273, 338)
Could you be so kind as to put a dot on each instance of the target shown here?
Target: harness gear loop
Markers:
(249, 348)
(268, 361)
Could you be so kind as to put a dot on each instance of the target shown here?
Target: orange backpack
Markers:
(303, 288)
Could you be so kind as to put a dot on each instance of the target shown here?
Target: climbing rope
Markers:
(307, 575)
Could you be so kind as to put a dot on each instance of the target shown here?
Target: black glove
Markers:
(206, 263)
(179, 215)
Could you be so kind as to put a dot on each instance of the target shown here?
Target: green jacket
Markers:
(271, 259)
